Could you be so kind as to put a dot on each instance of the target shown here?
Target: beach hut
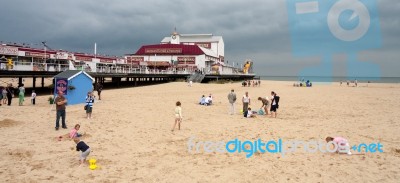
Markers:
(74, 84)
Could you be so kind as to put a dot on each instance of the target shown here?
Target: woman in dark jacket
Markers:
(10, 93)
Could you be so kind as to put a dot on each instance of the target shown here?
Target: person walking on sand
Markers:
(21, 94)
(232, 100)
(99, 88)
(246, 101)
(178, 116)
(60, 101)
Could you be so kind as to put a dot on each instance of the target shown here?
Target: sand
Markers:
(28, 82)
(131, 139)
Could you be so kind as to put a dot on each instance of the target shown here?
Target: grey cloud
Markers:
(256, 29)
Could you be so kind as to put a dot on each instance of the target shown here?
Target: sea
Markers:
(333, 79)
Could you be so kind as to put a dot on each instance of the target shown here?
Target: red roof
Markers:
(36, 50)
(169, 49)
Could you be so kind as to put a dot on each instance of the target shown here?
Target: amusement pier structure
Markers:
(194, 57)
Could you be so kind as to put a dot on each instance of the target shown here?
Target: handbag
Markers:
(85, 108)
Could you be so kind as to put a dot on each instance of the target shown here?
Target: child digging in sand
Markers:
(81, 146)
(341, 143)
(178, 116)
(74, 132)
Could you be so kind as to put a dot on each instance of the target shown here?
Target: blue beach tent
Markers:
(74, 84)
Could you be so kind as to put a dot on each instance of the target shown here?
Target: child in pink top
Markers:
(341, 143)
(74, 132)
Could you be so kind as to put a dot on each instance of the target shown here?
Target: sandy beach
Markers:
(131, 139)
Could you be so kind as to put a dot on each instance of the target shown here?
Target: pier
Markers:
(116, 80)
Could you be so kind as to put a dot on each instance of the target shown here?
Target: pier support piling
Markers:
(34, 82)
(42, 82)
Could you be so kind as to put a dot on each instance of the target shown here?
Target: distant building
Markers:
(181, 52)
(177, 53)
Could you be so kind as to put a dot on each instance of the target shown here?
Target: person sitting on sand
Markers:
(208, 100)
(202, 100)
(249, 113)
(178, 116)
(81, 146)
(74, 132)
(341, 143)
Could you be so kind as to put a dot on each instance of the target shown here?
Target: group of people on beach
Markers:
(355, 82)
(7, 94)
(207, 101)
(253, 83)
(80, 145)
(272, 102)
(61, 102)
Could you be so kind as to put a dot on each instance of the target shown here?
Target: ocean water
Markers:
(333, 79)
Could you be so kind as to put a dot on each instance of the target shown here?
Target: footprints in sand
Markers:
(396, 152)
(8, 123)
(37, 166)
(20, 154)
(66, 137)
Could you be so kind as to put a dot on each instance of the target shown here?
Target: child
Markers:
(33, 98)
(341, 143)
(81, 146)
(208, 100)
(249, 113)
(89, 104)
(74, 132)
(178, 116)
(202, 100)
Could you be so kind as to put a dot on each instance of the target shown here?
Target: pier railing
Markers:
(31, 66)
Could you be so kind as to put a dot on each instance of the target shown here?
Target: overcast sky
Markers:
(254, 29)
